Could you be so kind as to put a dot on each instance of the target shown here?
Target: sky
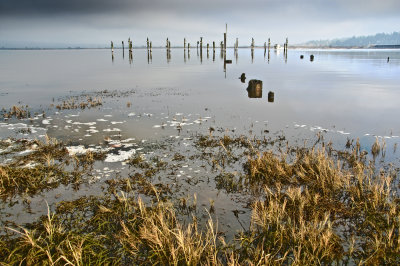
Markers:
(95, 23)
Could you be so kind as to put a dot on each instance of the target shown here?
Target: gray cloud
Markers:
(79, 21)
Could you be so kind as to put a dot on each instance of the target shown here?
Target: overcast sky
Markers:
(96, 22)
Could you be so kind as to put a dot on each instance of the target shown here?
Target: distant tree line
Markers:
(360, 41)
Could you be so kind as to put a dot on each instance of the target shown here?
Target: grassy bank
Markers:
(311, 205)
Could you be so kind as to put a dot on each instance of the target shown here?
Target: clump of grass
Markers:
(76, 103)
(18, 112)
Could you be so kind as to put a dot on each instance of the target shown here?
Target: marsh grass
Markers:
(309, 206)
(46, 167)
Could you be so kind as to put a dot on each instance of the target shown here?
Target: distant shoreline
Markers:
(377, 47)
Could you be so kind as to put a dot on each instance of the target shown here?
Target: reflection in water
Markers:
(254, 89)
(271, 97)
(112, 56)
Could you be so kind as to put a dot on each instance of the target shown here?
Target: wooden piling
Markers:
(225, 42)
(184, 43)
(122, 45)
(147, 43)
(269, 44)
(112, 46)
(201, 44)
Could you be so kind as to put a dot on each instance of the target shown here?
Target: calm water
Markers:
(344, 93)
(354, 91)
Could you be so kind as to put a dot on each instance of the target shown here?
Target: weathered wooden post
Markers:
(269, 44)
(167, 43)
(201, 44)
(271, 97)
(254, 88)
(265, 47)
(151, 46)
(197, 47)
(225, 42)
(147, 43)
(112, 46)
(188, 47)
(252, 43)
(184, 43)
(122, 45)
(208, 46)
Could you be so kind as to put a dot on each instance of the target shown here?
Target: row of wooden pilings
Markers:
(186, 45)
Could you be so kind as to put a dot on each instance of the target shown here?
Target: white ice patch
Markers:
(111, 129)
(80, 149)
(117, 122)
(46, 122)
(131, 114)
(121, 156)
(25, 152)
(87, 124)
(102, 120)
(128, 140)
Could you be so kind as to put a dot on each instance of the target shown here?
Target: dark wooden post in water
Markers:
(167, 43)
(188, 47)
(201, 44)
(213, 46)
(197, 47)
(184, 43)
(269, 44)
(112, 46)
(225, 42)
(147, 43)
(122, 45)
(252, 43)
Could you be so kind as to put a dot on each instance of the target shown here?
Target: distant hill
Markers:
(360, 41)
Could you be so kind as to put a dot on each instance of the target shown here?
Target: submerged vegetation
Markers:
(311, 205)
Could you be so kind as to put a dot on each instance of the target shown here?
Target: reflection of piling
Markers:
(208, 46)
(197, 47)
(184, 55)
(271, 97)
(188, 47)
(123, 50)
(151, 46)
